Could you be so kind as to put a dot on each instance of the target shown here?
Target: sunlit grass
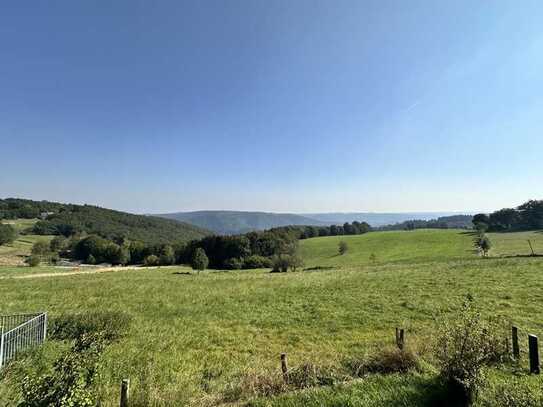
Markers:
(195, 336)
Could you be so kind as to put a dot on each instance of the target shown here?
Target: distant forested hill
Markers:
(235, 222)
(375, 219)
(443, 222)
(69, 219)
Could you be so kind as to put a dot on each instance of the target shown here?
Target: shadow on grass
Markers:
(514, 256)
(424, 392)
(182, 273)
(319, 268)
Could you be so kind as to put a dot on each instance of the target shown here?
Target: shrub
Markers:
(310, 375)
(110, 325)
(91, 259)
(70, 382)
(233, 264)
(483, 244)
(342, 248)
(59, 244)
(257, 262)
(167, 256)
(7, 234)
(385, 361)
(280, 263)
(253, 384)
(40, 248)
(33, 261)
(283, 262)
(464, 347)
(199, 259)
(151, 260)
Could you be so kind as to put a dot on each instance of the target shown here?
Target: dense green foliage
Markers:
(69, 220)
(528, 216)
(443, 222)
(71, 379)
(7, 234)
(465, 346)
(13, 208)
(199, 260)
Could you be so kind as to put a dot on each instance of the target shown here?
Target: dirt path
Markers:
(77, 272)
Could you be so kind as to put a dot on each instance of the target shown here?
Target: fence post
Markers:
(284, 367)
(400, 338)
(45, 327)
(514, 340)
(1, 345)
(534, 354)
(125, 392)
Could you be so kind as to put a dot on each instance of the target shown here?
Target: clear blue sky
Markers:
(152, 106)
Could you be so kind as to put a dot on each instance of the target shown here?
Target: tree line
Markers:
(276, 248)
(96, 235)
(442, 222)
(528, 216)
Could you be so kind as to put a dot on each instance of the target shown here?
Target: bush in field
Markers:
(484, 244)
(167, 256)
(280, 263)
(233, 264)
(257, 262)
(310, 375)
(342, 248)
(199, 260)
(69, 383)
(71, 380)
(7, 234)
(59, 244)
(33, 261)
(464, 347)
(109, 325)
(91, 259)
(40, 249)
(151, 261)
(385, 361)
(283, 262)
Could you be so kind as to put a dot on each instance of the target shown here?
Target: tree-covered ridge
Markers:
(69, 220)
(443, 222)
(238, 222)
(528, 216)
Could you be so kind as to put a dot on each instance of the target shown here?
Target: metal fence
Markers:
(20, 332)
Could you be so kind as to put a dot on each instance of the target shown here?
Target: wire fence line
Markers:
(19, 333)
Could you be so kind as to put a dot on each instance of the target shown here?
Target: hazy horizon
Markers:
(288, 107)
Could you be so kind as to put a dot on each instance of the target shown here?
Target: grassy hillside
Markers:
(16, 252)
(414, 246)
(205, 339)
(236, 222)
(117, 225)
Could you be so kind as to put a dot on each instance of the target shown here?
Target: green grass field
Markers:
(196, 339)
(15, 253)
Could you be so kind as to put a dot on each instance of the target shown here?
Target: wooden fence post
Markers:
(514, 340)
(284, 367)
(125, 392)
(534, 354)
(400, 338)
